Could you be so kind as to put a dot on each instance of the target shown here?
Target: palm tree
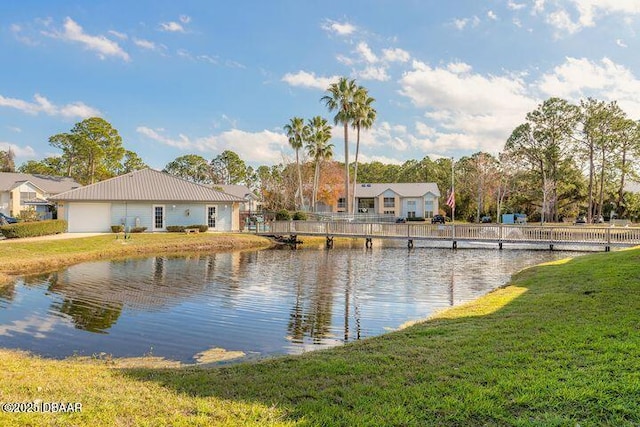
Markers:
(318, 149)
(363, 116)
(340, 99)
(297, 133)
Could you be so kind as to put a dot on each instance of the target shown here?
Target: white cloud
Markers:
(43, 105)
(341, 29)
(621, 43)
(373, 73)
(145, 44)
(18, 33)
(515, 6)
(27, 151)
(367, 54)
(121, 36)
(492, 15)
(253, 147)
(172, 27)
(588, 11)
(538, 7)
(578, 78)
(461, 24)
(395, 55)
(469, 111)
(310, 80)
(104, 47)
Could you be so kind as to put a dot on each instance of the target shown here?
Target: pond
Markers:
(260, 303)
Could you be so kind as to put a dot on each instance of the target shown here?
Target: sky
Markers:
(450, 78)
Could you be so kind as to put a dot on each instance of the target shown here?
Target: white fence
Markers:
(580, 235)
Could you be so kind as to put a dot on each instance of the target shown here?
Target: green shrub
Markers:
(299, 216)
(283, 215)
(416, 218)
(138, 229)
(201, 227)
(117, 228)
(175, 228)
(33, 229)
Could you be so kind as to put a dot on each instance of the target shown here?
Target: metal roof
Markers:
(237, 190)
(146, 185)
(49, 184)
(417, 189)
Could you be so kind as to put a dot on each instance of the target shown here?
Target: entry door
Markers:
(158, 217)
(211, 216)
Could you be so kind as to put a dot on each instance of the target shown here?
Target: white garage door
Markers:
(89, 217)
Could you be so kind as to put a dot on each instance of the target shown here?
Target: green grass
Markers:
(559, 347)
(22, 257)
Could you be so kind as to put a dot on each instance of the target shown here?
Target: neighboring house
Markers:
(147, 198)
(405, 200)
(21, 191)
(250, 203)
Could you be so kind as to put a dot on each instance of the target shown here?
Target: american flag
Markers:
(451, 200)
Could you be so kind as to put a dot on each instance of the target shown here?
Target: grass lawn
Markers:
(22, 257)
(560, 346)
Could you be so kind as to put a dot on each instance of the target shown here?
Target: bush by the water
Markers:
(201, 227)
(33, 229)
(283, 215)
(299, 216)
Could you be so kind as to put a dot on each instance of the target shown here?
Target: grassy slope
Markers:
(19, 257)
(559, 347)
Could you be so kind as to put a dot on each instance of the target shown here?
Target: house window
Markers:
(411, 203)
(411, 214)
(389, 212)
(27, 195)
(389, 202)
(341, 203)
(428, 208)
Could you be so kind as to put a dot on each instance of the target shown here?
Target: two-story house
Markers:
(405, 200)
(21, 191)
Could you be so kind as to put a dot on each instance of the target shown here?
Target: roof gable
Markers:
(146, 185)
(47, 183)
(418, 189)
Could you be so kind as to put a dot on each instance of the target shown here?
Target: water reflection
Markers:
(265, 302)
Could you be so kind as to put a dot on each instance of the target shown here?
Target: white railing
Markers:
(608, 236)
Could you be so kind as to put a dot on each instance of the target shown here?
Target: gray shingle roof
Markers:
(49, 184)
(418, 189)
(146, 185)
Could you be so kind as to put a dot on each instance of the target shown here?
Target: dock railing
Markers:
(606, 236)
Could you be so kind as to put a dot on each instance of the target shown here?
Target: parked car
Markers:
(581, 219)
(7, 219)
(437, 219)
(401, 220)
(598, 219)
(485, 219)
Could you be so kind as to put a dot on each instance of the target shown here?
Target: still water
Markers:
(261, 303)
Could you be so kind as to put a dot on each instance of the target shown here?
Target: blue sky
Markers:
(202, 76)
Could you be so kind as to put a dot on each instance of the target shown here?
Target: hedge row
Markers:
(33, 229)
(181, 228)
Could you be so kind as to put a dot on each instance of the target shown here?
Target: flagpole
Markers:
(453, 207)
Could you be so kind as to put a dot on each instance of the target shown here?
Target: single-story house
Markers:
(21, 191)
(147, 198)
(405, 200)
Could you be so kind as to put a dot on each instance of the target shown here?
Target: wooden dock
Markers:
(498, 234)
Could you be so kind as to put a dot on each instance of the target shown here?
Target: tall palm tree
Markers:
(340, 99)
(297, 133)
(363, 116)
(319, 149)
